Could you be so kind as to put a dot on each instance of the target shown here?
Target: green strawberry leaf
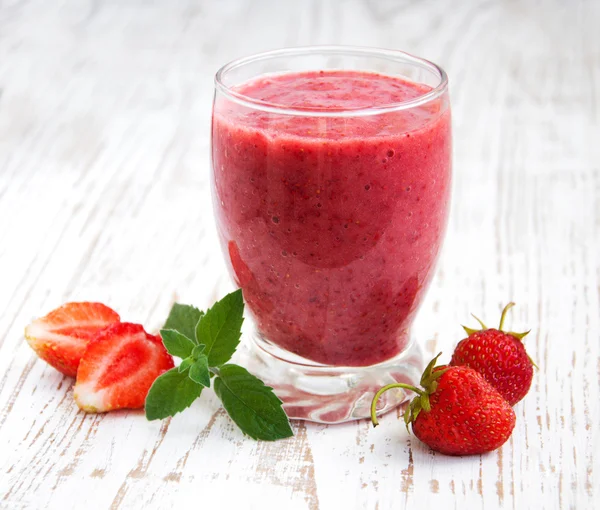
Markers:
(176, 343)
(254, 407)
(184, 318)
(220, 328)
(171, 393)
(199, 371)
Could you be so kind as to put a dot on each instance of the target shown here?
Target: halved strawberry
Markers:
(118, 368)
(60, 338)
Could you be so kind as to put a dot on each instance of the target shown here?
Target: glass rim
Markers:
(387, 54)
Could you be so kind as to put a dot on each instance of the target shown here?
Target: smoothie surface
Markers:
(333, 91)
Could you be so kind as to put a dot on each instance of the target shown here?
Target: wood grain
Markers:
(104, 117)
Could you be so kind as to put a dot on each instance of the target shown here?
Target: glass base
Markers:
(330, 394)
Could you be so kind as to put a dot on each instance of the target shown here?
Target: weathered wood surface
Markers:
(104, 116)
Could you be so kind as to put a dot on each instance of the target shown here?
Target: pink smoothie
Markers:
(332, 224)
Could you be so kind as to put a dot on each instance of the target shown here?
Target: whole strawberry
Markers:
(499, 356)
(457, 412)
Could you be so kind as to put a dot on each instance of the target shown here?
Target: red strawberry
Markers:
(60, 338)
(457, 412)
(118, 368)
(499, 357)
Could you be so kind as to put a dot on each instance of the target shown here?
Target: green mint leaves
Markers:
(205, 342)
(170, 394)
(199, 371)
(250, 404)
(220, 328)
(184, 318)
(176, 343)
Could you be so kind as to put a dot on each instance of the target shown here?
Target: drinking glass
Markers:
(331, 177)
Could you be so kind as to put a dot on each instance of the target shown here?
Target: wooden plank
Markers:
(104, 124)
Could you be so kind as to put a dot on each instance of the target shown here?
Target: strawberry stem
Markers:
(383, 390)
(483, 326)
(503, 316)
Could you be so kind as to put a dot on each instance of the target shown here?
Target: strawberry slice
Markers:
(118, 368)
(60, 338)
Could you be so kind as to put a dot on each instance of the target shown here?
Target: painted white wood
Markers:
(104, 118)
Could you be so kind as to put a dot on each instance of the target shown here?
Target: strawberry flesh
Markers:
(60, 338)
(118, 368)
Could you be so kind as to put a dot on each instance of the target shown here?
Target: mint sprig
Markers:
(206, 342)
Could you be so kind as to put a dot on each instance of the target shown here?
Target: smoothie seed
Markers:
(275, 219)
(367, 187)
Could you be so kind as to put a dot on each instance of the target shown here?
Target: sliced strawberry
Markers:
(118, 368)
(60, 338)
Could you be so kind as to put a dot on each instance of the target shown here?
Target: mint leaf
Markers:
(185, 364)
(198, 350)
(251, 405)
(220, 328)
(176, 343)
(199, 371)
(171, 393)
(184, 318)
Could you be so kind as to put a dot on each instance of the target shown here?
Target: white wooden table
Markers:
(104, 122)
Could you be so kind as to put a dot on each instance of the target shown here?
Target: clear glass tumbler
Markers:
(331, 187)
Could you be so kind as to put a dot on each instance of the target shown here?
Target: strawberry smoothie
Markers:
(332, 224)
